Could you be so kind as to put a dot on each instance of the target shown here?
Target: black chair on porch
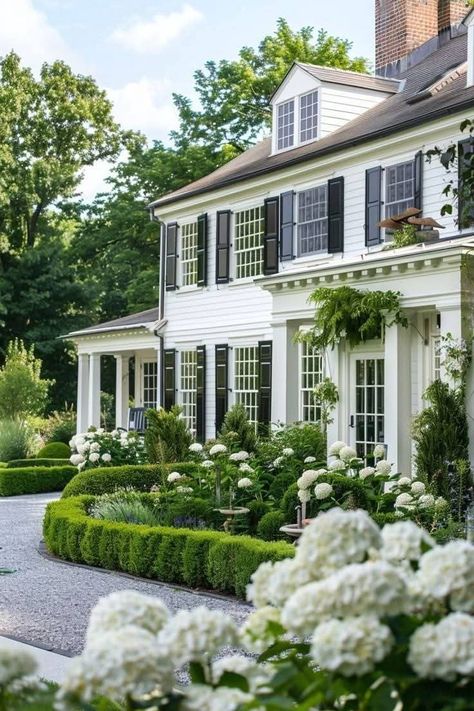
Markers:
(136, 419)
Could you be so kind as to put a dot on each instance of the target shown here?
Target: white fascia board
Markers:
(92, 331)
(267, 183)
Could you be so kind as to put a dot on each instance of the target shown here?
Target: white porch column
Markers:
(450, 322)
(138, 381)
(82, 392)
(121, 390)
(397, 397)
(158, 378)
(335, 428)
(94, 390)
(284, 374)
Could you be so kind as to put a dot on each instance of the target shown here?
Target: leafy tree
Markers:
(234, 95)
(22, 390)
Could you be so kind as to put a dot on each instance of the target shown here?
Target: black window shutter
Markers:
(336, 215)
(418, 180)
(169, 378)
(270, 237)
(171, 255)
(264, 386)
(222, 381)
(222, 246)
(286, 225)
(373, 205)
(465, 204)
(201, 394)
(202, 250)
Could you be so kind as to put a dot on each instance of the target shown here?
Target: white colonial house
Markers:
(244, 247)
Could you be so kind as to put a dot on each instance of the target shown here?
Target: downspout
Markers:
(161, 304)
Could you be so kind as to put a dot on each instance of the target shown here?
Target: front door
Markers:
(367, 402)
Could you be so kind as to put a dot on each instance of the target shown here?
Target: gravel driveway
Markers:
(48, 603)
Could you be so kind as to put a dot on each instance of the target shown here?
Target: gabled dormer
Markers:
(313, 101)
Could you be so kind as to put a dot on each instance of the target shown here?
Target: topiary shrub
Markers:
(55, 450)
(279, 486)
(104, 480)
(257, 509)
(269, 526)
(237, 432)
(34, 480)
(34, 462)
(167, 438)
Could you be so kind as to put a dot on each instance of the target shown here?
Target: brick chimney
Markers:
(402, 26)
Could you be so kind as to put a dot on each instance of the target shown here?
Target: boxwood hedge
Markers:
(207, 559)
(105, 480)
(34, 480)
(27, 463)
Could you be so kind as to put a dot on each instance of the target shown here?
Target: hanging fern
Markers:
(358, 316)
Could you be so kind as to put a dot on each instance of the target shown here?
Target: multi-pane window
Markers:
(246, 379)
(286, 124)
(313, 220)
(150, 383)
(369, 415)
(308, 116)
(311, 374)
(248, 242)
(436, 355)
(188, 387)
(399, 188)
(189, 235)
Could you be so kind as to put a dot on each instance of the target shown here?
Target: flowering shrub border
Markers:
(207, 559)
(34, 480)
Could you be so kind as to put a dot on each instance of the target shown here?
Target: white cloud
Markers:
(28, 32)
(150, 37)
(93, 180)
(145, 105)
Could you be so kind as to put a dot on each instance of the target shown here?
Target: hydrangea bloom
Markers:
(274, 583)
(239, 456)
(94, 457)
(278, 462)
(217, 449)
(418, 488)
(404, 540)
(184, 489)
(245, 468)
(309, 460)
(336, 538)
(244, 483)
(172, 477)
(426, 501)
(323, 491)
(447, 573)
(196, 635)
(351, 647)
(379, 451)
(288, 452)
(383, 467)
(308, 477)
(126, 607)
(359, 589)
(257, 675)
(445, 650)
(106, 457)
(366, 471)
(255, 634)
(15, 664)
(76, 459)
(404, 501)
(404, 481)
(304, 495)
(124, 662)
(347, 454)
(207, 464)
(337, 465)
(336, 447)
(195, 447)
(200, 697)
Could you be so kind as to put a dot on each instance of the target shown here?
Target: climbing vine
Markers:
(353, 314)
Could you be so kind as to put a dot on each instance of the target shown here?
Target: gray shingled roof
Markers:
(393, 114)
(341, 76)
(141, 319)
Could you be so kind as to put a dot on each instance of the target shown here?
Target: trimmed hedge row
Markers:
(105, 480)
(34, 480)
(27, 463)
(204, 559)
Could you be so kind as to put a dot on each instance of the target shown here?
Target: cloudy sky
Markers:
(143, 50)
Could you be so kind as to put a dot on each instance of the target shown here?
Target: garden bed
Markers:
(34, 480)
(195, 558)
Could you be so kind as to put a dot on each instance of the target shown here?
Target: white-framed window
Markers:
(399, 188)
(286, 124)
(312, 220)
(188, 387)
(248, 242)
(436, 357)
(150, 383)
(311, 374)
(309, 116)
(189, 237)
(246, 379)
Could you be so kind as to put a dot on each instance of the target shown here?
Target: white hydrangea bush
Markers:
(99, 448)
(383, 619)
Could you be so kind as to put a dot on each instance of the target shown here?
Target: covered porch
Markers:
(135, 345)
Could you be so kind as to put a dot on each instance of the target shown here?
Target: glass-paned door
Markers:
(150, 383)
(367, 419)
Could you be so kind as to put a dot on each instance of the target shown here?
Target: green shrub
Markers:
(105, 480)
(34, 480)
(17, 440)
(22, 390)
(186, 511)
(269, 526)
(279, 486)
(197, 558)
(257, 509)
(61, 425)
(237, 432)
(55, 450)
(35, 462)
(305, 439)
(167, 438)
(125, 507)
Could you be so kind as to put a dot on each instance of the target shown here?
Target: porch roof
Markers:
(142, 319)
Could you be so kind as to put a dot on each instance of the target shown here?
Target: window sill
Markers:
(310, 259)
(189, 289)
(244, 281)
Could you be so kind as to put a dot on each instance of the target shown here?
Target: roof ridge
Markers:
(346, 71)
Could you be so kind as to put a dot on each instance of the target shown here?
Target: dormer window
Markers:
(308, 116)
(286, 124)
